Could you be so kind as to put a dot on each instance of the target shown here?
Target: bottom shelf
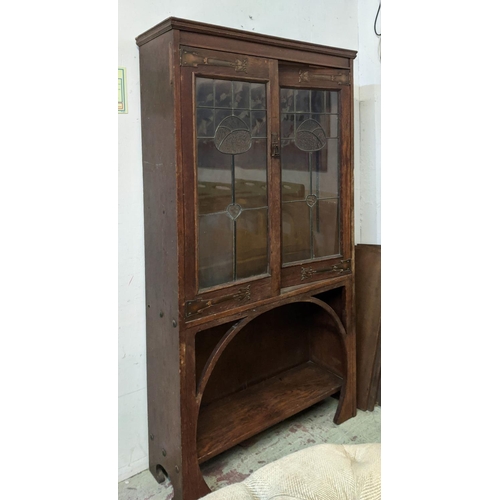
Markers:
(229, 421)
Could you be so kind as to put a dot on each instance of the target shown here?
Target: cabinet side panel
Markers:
(161, 256)
(368, 313)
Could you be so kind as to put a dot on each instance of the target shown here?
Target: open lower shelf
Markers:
(229, 421)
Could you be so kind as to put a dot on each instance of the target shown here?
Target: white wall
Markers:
(368, 133)
(328, 22)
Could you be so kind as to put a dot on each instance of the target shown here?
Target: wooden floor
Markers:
(312, 426)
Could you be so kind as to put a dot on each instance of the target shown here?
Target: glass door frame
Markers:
(257, 70)
(308, 271)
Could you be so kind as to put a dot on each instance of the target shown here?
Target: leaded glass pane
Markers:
(287, 100)
(332, 102)
(296, 228)
(287, 126)
(220, 115)
(259, 124)
(214, 178)
(323, 121)
(309, 174)
(241, 92)
(300, 118)
(251, 176)
(310, 136)
(223, 94)
(231, 134)
(295, 177)
(258, 95)
(334, 126)
(302, 101)
(204, 92)
(324, 169)
(215, 250)
(205, 123)
(318, 101)
(251, 243)
(325, 228)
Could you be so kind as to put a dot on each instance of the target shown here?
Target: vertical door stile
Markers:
(275, 180)
(187, 148)
(346, 171)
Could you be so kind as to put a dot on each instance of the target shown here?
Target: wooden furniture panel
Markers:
(257, 48)
(297, 76)
(368, 325)
(160, 208)
(273, 342)
(261, 406)
(249, 306)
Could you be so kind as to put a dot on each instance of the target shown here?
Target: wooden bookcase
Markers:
(248, 188)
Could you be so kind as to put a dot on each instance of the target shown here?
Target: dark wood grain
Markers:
(207, 355)
(346, 175)
(335, 298)
(251, 411)
(308, 272)
(291, 294)
(257, 70)
(327, 340)
(347, 401)
(267, 344)
(160, 207)
(368, 324)
(274, 184)
(256, 48)
(298, 76)
(185, 26)
(226, 362)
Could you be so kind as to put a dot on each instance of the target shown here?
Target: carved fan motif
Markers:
(310, 136)
(232, 136)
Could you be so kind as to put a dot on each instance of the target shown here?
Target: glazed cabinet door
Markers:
(315, 122)
(227, 126)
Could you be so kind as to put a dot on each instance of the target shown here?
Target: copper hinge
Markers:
(193, 58)
(308, 272)
(199, 305)
(340, 77)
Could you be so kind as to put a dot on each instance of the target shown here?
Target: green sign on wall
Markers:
(122, 91)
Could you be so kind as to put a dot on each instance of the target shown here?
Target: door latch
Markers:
(275, 146)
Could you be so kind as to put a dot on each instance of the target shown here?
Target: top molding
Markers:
(174, 23)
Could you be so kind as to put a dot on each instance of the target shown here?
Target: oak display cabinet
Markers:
(248, 188)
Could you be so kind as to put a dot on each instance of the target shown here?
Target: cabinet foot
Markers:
(346, 408)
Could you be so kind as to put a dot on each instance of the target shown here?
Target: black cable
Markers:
(375, 23)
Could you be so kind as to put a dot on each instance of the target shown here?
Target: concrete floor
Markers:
(312, 426)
